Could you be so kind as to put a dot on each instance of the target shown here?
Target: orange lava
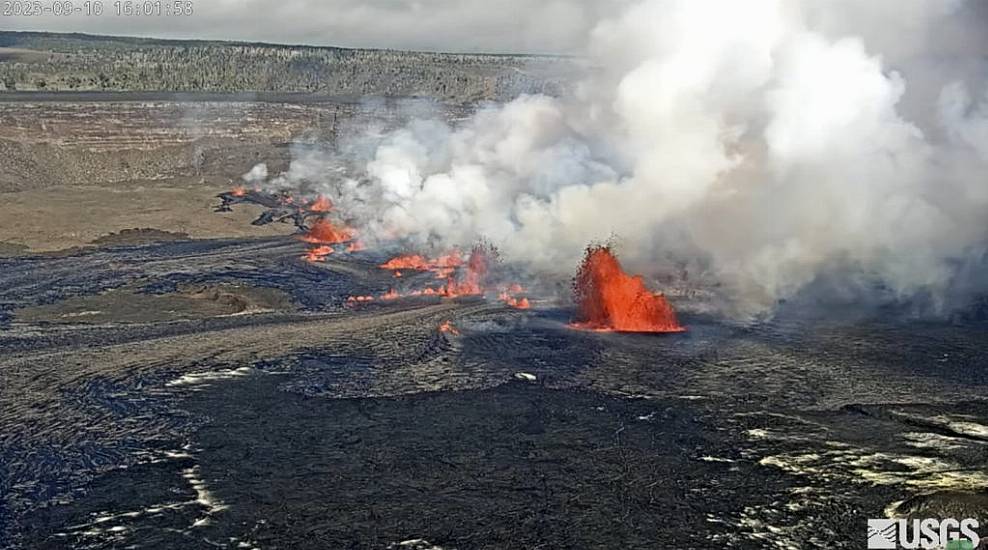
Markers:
(517, 303)
(238, 191)
(461, 279)
(324, 232)
(424, 292)
(443, 266)
(510, 297)
(608, 299)
(321, 204)
(448, 327)
(318, 254)
(451, 260)
(360, 299)
(472, 282)
(408, 261)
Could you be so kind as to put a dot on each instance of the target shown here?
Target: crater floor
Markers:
(220, 393)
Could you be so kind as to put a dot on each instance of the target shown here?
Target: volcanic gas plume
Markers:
(766, 145)
(608, 299)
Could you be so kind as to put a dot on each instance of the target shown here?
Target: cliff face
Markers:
(72, 62)
(111, 138)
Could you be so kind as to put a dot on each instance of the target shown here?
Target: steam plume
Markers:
(765, 143)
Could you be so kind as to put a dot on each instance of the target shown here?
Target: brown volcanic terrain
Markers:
(46, 143)
(102, 134)
(74, 171)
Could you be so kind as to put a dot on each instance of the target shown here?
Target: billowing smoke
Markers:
(765, 144)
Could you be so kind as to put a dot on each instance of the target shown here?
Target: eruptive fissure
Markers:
(608, 299)
(443, 266)
(468, 278)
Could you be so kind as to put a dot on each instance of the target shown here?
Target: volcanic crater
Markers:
(237, 386)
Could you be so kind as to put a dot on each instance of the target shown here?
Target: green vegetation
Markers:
(78, 62)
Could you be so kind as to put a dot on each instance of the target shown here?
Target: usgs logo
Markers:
(950, 534)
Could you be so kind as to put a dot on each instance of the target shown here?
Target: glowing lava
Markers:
(391, 294)
(318, 254)
(517, 303)
(443, 266)
(462, 279)
(448, 327)
(408, 261)
(509, 296)
(608, 299)
(451, 260)
(324, 232)
(321, 204)
(472, 282)
(238, 191)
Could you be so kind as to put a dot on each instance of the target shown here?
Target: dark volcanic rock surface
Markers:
(317, 425)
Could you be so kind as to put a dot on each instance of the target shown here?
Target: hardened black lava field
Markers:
(221, 393)
(174, 374)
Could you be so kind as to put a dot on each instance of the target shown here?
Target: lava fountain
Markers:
(321, 204)
(324, 232)
(608, 299)
(472, 282)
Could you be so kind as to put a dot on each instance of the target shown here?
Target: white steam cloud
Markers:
(766, 142)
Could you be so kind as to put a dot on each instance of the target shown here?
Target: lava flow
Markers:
(462, 279)
(448, 327)
(318, 254)
(408, 261)
(443, 266)
(608, 299)
(323, 234)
